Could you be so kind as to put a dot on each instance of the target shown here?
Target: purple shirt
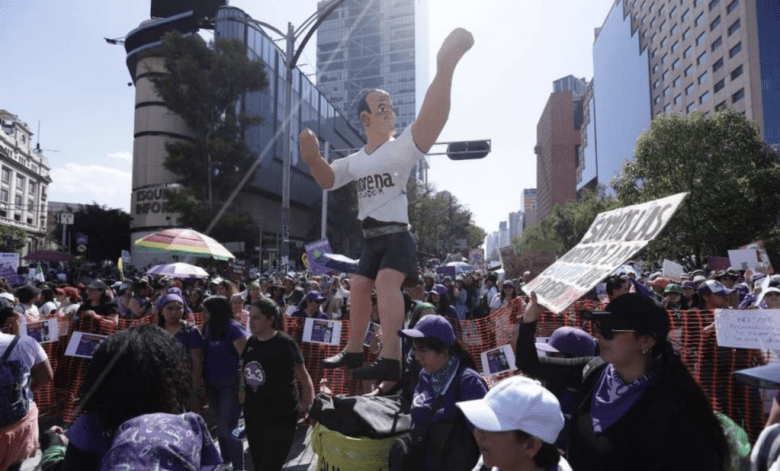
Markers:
(471, 387)
(302, 314)
(190, 337)
(87, 436)
(221, 357)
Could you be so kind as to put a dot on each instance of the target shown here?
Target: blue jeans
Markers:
(223, 401)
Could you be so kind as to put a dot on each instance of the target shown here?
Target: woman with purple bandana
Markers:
(171, 318)
(225, 339)
(639, 408)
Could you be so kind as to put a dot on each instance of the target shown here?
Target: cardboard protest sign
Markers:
(313, 251)
(718, 263)
(498, 360)
(322, 331)
(764, 265)
(476, 257)
(743, 259)
(672, 270)
(83, 345)
(754, 328)
(511, 263)
(44, 331)
(614, 237)
(536, 261)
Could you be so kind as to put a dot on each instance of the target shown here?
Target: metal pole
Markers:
(285, 255)
(324, 228)
(260, 250)
(64, 247)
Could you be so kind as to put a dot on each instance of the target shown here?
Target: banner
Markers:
(510, 262)
(614, 237)
(754, 328)
(313, 251)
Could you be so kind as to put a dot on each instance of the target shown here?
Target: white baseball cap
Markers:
(517, 403)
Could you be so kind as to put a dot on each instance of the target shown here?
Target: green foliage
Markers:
(107, 230)
(563, 229)
(438, 221)
(12, 238)
(730, 174)
(204, 87)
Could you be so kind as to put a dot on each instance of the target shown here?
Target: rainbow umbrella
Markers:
(184, 242)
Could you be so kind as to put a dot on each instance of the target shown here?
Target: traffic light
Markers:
(468, 150)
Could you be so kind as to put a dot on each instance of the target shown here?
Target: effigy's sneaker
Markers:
(343, 358)
(381, 369)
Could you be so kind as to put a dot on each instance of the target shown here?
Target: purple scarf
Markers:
(612, 397)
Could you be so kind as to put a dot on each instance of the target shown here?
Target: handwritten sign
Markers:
(672, 270)
(322, 331)
(614, 237)
(754, 328)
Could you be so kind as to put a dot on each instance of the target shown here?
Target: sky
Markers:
(59, 71)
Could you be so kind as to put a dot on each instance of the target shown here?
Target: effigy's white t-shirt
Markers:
(381, 177)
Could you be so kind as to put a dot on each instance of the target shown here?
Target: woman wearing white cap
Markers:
(516, 425)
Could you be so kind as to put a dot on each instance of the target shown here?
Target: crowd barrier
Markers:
(710, 365)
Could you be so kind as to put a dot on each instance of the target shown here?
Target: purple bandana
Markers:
(613, 397)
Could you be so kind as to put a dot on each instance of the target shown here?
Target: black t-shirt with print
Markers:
(269, 375)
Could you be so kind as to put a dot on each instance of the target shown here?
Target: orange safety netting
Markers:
(710, 365)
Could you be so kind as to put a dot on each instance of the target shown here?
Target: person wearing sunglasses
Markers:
(638, 406)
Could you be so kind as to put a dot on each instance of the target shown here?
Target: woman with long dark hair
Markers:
(448, 376)
(225, 339)
(639, 407)
(272, 362)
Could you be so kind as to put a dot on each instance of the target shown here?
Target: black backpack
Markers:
(14, 403)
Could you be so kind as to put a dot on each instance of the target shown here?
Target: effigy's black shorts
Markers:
(397, 251)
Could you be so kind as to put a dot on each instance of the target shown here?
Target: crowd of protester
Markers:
(624, 398)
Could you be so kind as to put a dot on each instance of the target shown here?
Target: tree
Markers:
(566, 225)
(439, 222)
(107, 230)
(12, 239)
(730, 174)
(204, 86)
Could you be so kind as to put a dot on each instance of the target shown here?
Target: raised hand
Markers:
(454, 47)
(309, 145)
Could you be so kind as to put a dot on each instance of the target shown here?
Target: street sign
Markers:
(82, 248)
(66, 218)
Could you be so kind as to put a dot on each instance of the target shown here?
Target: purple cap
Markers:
(570, 340)
(441, 290)
(688, 284)
(714, 287)
(314, 296)
(432, 326)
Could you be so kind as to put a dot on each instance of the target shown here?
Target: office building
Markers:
(24, 182)
(663, 56)
(529, 208)
(515, 225)
(558, 145)
(383, 44)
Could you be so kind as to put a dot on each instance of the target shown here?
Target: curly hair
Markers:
(140, 370)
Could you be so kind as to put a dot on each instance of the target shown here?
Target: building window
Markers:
(699, 19)
(4, 196)
(688, 70)
(32, 187)
(687, 15)
(689, 89)
(673, 13)
(732, 6)
(715, 23)
(702, 58)
(661, 11)
(734, 27)
(6, 175)
(677, 81)
(704, 98)
(714, 3)
(719, 85)
(20, 183)
(652, 23)
(676, 46)
(696, 3)
(652, 54)
(657, 99)
(717, 65)
(736, 72)
(667, 91)
(740, 94)
(656, 84)
(652, 38)
(663, 25)
(18, 201)
(663, 42)
(688, 52)
(735, 50)
(690, 107)
(675, 64)
(678, 99)
(655, 68)
(717, 43)
(704, 77)
(701, 38)
(674, 29)
(665, 58)
(687, 33)
(720, 106)
(665, 75)
(668, 107)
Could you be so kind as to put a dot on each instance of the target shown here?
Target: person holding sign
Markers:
(639, 407)
(381, 170)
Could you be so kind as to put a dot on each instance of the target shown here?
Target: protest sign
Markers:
(498, 360)
(672, 270)
(764, 265)
(754, 328)
(83, 345)
(614, 237)
(9, 261)
(44, 331)
(371, 331)
(322, 331)
(511, 263)
(314, 250)
(743, 259)
(238, 270)
(718, 263)
(476, 257)
(536, 261)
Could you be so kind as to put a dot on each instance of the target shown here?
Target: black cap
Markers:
(636, 311)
